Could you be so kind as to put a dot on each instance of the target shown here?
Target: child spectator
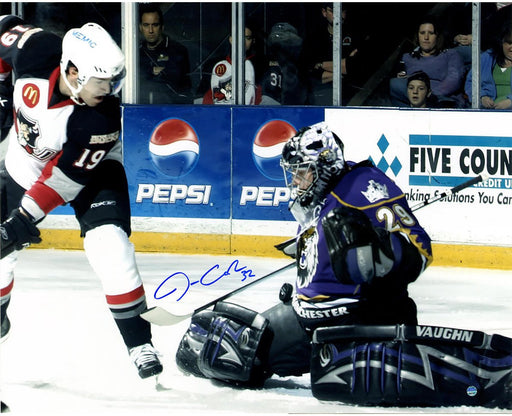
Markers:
(419, 92)
(444, 67)
(217, 84)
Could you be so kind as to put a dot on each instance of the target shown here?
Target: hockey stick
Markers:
(160, 316)
(454, 190)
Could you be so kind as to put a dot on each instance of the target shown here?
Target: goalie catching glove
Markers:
(17, 232)
(358, 251)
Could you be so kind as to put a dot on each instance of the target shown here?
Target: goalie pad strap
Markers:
(424, 334)
(501, 343)
(427, 334)
(356, 332)
(240, 314)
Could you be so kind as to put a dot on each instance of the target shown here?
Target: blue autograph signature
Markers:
(206, 279)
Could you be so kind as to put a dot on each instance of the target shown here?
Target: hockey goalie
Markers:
(349, 321)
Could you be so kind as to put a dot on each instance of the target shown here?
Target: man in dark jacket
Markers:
(163, 63)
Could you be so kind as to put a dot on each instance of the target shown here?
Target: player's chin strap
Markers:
(160, 316)
(74, 91)
(77, 100)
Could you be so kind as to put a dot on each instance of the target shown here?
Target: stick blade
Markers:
(162, 317)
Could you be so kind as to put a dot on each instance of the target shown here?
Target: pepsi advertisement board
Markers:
(212, 162)
(177, 161)
(259, 134)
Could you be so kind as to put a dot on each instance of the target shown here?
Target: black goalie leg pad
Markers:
(192, 343)
(230, 344)
(380, 366)
(236, 348)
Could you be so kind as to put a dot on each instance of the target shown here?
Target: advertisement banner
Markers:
(428, 152)
(178, 161)
(259, 134)
(215, 169)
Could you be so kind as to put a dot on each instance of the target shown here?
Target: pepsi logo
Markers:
(174, 147)
(268, 145)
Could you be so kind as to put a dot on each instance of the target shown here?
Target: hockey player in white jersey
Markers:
(64, 148)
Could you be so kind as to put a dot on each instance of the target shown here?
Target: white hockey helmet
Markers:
(94, 53)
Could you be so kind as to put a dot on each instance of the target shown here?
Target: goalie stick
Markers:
(480, 178)
(160, 316)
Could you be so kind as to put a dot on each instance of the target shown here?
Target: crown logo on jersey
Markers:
(375, 191)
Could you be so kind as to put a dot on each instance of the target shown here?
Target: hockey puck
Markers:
(285, 293)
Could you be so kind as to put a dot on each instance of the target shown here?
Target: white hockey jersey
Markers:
(54, 144)
(221, 83)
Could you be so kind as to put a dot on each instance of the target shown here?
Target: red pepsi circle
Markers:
(174, 147)
(268, 145)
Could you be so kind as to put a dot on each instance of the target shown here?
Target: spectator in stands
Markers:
(457, 19)
(444, 67)
(419, 92)
(163, 63)
(318, 57)
(216, 85)
(284, 82)
(495, 74)
(463, 46)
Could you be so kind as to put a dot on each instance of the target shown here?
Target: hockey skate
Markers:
(5, 329)
(145, 358)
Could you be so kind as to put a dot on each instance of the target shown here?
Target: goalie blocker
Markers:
(396, 365)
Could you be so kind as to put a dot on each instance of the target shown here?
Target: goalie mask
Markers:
(95, 55)
(311, 161)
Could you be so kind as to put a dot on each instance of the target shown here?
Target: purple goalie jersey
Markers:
(368, 189)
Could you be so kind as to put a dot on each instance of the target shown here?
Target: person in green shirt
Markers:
(495, 74)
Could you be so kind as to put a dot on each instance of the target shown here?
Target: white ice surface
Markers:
(65, 355)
